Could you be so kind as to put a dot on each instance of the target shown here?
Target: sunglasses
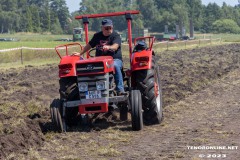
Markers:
(107, 28)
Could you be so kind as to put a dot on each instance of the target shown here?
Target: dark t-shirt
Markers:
(99, 40)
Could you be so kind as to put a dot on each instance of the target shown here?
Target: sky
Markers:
(73, 5)
(220, 2)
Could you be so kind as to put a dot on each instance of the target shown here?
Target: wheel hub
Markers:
(157, 91)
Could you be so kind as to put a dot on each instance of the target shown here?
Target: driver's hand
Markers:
(106, 48)
(75, 54)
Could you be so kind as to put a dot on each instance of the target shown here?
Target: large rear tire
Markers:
(148, 82)
(136, 110)
(69, 92)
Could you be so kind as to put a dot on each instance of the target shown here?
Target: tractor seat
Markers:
(141, 45)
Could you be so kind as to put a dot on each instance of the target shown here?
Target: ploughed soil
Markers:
(201, 89)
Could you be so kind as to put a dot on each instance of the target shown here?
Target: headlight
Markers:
(101, 85)
(83, 87)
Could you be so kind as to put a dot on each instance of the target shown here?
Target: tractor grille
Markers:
(90, 68)
(91, 80)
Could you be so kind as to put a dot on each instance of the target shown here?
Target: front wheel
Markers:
(136, 110)
(56, 114)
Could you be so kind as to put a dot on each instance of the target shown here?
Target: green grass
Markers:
(18, 56)
(181, 45)
(224, 37)
(34, 36)
(40, 57)
(229, 37)
(33, 44)
(33, 40)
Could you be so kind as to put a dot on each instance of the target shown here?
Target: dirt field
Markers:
(201, 89)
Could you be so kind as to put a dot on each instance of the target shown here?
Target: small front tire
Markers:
(136, 110)
(56, 110)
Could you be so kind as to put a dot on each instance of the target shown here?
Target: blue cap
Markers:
(107, 22)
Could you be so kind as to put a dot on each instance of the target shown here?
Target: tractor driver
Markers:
(108, 43)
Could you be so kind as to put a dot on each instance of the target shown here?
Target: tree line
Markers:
(53, 15)
(34, 16)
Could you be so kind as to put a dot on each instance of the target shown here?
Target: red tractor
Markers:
(87, 85)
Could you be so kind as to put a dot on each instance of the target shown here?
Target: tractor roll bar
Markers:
(107, 14)
(128, 18)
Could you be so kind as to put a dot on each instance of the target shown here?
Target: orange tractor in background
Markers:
(87, 85)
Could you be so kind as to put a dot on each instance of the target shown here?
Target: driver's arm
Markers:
(85, 49)
(116, 43)
(113, 47)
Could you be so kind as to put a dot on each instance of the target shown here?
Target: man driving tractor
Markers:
(86, 86)
(108, 43)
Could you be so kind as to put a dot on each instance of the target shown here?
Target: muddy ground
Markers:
(201, 89)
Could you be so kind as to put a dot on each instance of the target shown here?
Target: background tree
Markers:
(59, 9)
(182, 16)
(226, 26)
(212, 13)
(35, 19)
(53, 15)
(149, 11)
(227, 11)
(195, 13)
(29, 21)
(45, 16)
(236, 15)
(56, 27)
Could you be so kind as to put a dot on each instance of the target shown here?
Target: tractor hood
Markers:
(96, 65)
(73, 66)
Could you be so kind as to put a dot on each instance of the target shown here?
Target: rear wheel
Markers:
(136, 110)
(148, 82)
(69, 92)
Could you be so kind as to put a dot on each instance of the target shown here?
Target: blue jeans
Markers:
(118, 64)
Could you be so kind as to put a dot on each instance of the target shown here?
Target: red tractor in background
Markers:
(87, 85)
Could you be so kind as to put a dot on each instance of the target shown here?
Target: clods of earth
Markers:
(201, 89)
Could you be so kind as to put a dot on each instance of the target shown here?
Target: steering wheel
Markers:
(91, 52)
(94, 49)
